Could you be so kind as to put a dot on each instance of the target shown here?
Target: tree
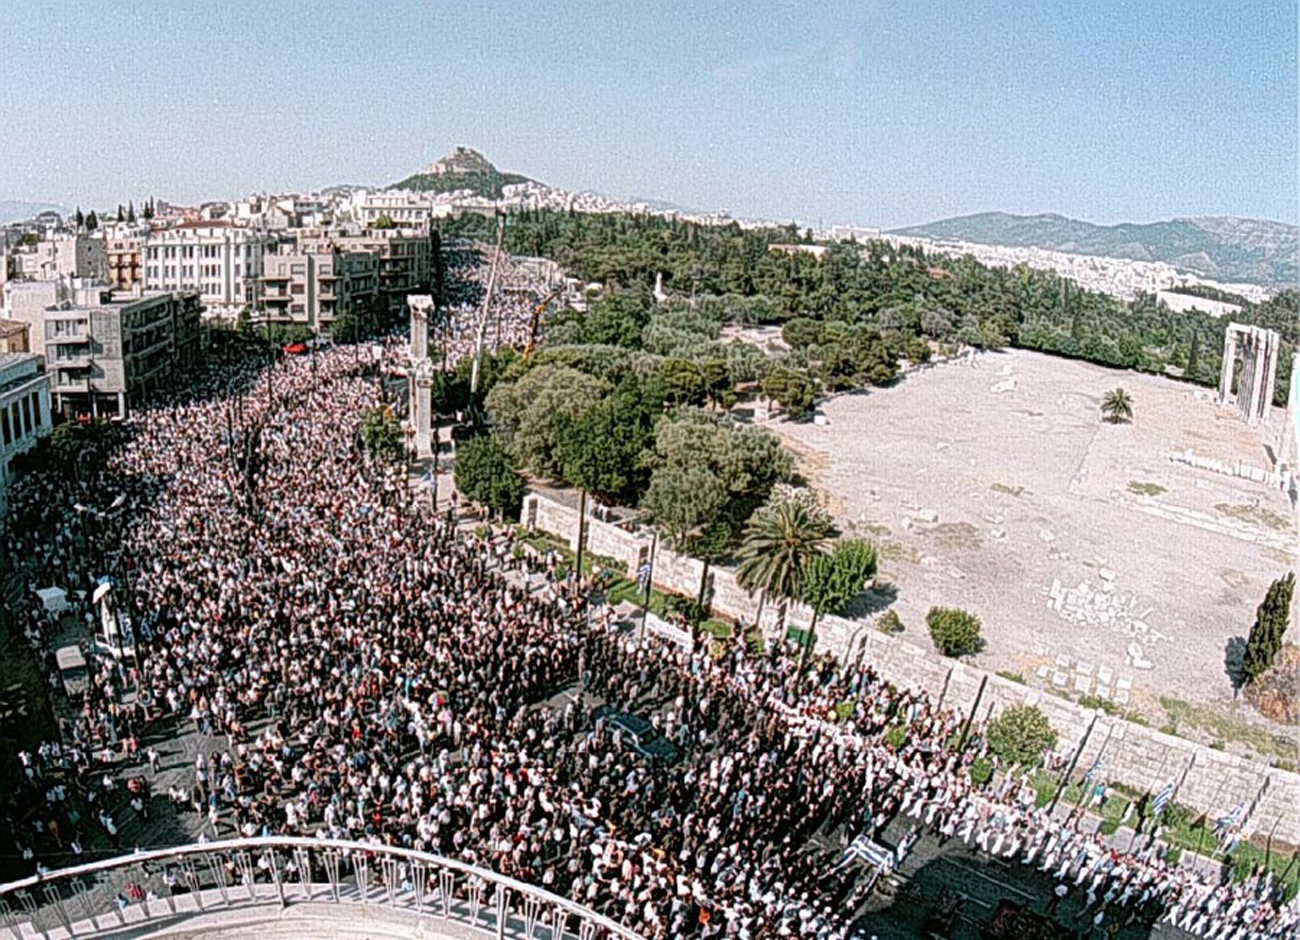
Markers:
(684, 499)
(600, 449)
(121, 213)
(801, 332)
(92, 221)
(1271, 620)
(486, 475)
(1117, 406)
(78, 219)
(1021, 736)
(836, 579)
(526, 413)
(385, 221)
(381, 433)
(778, 545)
(955, 632)
(792, 390)
(148, 212)
(130, 213)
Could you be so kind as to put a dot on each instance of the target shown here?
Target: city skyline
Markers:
(871, 115)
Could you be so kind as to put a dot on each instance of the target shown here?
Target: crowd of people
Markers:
(356, 667)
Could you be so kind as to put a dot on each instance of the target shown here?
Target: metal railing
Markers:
(149, 888)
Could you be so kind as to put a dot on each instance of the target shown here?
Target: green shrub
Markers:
(1012, 676)
(1096, 701)
(1021, 735)
(896, 736)
(981, 772)
(955, 632)
(889, 623)
(1175, 815)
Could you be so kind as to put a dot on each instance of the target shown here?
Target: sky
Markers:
(885, 114)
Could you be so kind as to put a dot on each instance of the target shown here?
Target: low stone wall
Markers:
(1137, 756)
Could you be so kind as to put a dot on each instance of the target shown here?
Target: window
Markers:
(295, 288)
(27, 416)
(297, 269)
(8, 436)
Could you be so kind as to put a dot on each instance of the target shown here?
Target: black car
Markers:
(638, 734)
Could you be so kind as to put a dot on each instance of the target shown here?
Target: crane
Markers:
(535, 321)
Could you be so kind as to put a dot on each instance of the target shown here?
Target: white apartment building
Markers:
(220, 261)
(406, 209)
(24, 409)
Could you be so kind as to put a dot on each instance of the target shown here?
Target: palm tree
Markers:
(1117, 406)
(778, 544)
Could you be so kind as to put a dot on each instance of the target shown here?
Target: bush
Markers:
(1021, 735)
(889, 623)
(1175, 816)
(955, 632)
(981, 772)
(1012, 676)
(896, 736)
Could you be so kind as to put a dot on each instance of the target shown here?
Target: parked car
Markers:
(635, 732)
(73, 673)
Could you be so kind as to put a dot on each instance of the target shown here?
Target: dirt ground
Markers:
(1099, 566)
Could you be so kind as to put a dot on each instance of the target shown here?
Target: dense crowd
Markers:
(359, 669)
(517, 292)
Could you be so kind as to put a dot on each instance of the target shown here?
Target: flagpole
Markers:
(649, 579)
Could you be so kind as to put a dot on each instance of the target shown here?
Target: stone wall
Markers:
(1137, 756)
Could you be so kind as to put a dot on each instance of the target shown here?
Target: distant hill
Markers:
(1222, 248)
(461, 169)
(18, 211)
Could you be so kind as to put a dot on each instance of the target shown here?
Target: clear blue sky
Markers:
(879, 113)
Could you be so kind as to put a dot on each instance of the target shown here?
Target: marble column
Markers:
(422, 408)
(419, 305)
(1229, 363)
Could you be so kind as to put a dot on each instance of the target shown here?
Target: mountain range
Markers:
(17, 211)
(1222, 248)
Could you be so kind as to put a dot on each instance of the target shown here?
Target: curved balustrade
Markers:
(129, 893)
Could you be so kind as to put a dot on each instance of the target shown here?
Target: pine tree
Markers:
(1271, 619)
(121, 213)
(92, 221)
(1193, 355)
(130, 213)
(78, 219)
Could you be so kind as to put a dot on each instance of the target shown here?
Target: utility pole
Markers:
(482, 322)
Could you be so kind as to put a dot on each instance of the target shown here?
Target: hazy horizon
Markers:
(839, 113)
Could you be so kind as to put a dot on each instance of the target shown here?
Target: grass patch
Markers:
(1096, 701)
(1145, 489)
(956, 535)
(1254, 515)
(1013, 676)
(897, 551)
(1222, 728)
(1009, 490)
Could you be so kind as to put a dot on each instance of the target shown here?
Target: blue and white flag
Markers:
(873, 853)
(1094, 772)
(1162, 798)
(1224, 823)
(643, 576)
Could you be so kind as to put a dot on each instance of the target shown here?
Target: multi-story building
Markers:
(24, 409)
(220, 261)
(15, 336)
(313, 288)
(106, 356)
(407, 259)
(404, 208)
(62, 256)
(124, 268)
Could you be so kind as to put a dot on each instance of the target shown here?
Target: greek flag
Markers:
(643, 576)
(1224, 823)
(1162, 798)
(873, 853)
(1095, 770)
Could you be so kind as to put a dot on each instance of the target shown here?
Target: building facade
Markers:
(62, 256)
(104, 358)
(15, 336)
(313, 288)
(407, 259)
(125, 271)
(220, 261)
(24, 409)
